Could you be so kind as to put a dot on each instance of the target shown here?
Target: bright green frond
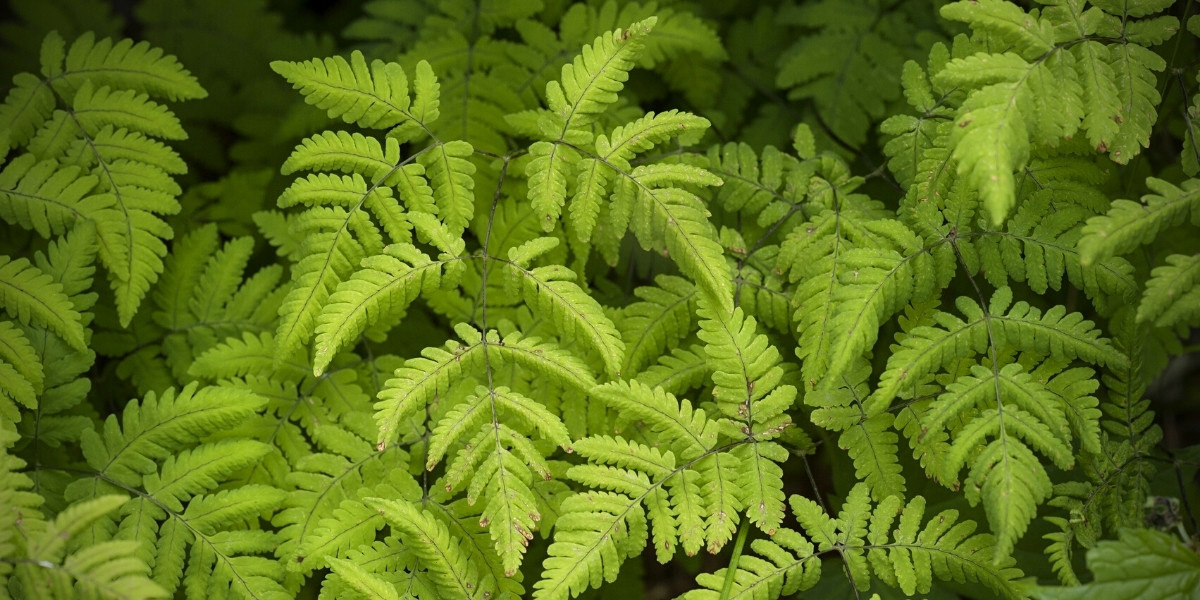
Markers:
(450, 567)
(375, 96)
(125, 65)
(45, 197)
(551, 291)
(33, 297)
(1130, 224)
(1172, 296)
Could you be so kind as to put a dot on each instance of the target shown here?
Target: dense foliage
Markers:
(478, 299)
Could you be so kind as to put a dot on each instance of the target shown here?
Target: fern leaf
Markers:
(158, 426)
(126, 65)
(908, 555)
(44, 197)
(614, 152)
(866, 434)
(1006, 474)
(687, 430)
(1171, 294)
(591, 82)
(594, 534)
(452, 570)
(547, 171)
(543, 358)
(991, 140)
(328, 257)
(450, 174)
(374, 96)
(108, 569)
(420, 379)
(1100, 95)
(365, 582)
(657, 323)
(27, 105)
(21, 372)
(190, 472)
(1030, 36)
(1131, 224)
(379, 292)
(345, 152)
(926, 349)
(96, 107)
(549, 290)
(32, 296)
(690, 238)
(1137, 89)
(498, 461)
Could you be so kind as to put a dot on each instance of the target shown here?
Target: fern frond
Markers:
(31, 296)
(498, 462)
(212, 523)
(550, 290)
(1172, 296)
(587, 86)
(45, 197)
(328, 256)
(907, 555)
(747, 374)
(159, 426)
(926, 349)
(844, 61)
(1130, 224)
(613, 153)
(122, 65)
(595, 533)
(375, 96)
(109, 569)
(657, 323)
(591, 82)
(420, 379)
(450, 567)
(450, 174)
(678, 218)
(865, 432)
(379, 292)
(97, 107)
(363, 581)
(21, 373)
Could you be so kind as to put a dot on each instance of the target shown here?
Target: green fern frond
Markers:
(928, 348)
(747, 374)
(847, 66)
(31, 296)
(47, 198)
(550, 290)
(110, 569)
(865, 433)
(374, 96)
(498, 462)
(121, 65)
(595, 533)
(450, 567)
(379, 292)
(657, 323)
(907, 554)
(1130, 224)
(93, 109)
(1172, 294)
(422, 378)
